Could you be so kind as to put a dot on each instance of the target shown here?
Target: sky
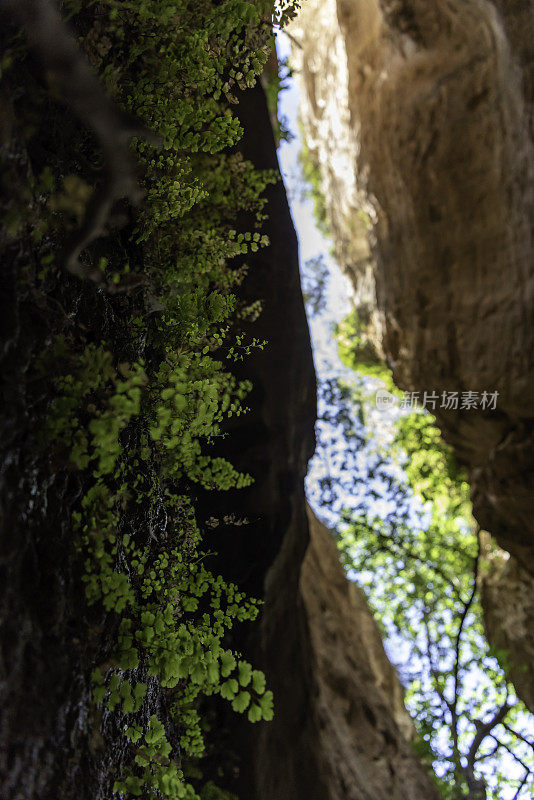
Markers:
(313, 244)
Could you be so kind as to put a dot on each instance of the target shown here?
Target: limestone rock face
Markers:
(338, 614)
(340, 705)
(507, 592)
(436, 136)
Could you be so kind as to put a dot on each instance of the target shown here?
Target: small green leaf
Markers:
(258, 681)
(245, 673)
(229, 689)
(228, 663)
(99, 692)
(240, 703)
(254, 713)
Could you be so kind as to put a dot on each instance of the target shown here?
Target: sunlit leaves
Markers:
(407, 535)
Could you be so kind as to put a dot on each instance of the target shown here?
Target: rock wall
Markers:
(340, 711)
(50, 745)
(427, 109)
(507, 595)
(337, 609)
(365, 728)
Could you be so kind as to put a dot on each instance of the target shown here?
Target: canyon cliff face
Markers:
(358, 701)
(420, 118)
(508, 603)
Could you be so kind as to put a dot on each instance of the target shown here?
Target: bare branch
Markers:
(465, 612)
(484, 729)
(291, 38)
(520, 787)
(511, 752)
(518, 735)
(445, 705)
(73, 79)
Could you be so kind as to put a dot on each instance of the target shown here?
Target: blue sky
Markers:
(338, 293)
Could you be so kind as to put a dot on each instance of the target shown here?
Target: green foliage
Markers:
(92, 388)
(191, 397)
(356, 348)
(173, 613)
(139, 429)
(312, 175)
(156, 775)
(418, 562)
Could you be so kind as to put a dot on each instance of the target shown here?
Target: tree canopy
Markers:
(407, 536)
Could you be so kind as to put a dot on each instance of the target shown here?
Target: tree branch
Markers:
(387, 544)
(73, 79)
(509, 750)
(465, 612)
(483, 729)
(518, 735)
(520, 787)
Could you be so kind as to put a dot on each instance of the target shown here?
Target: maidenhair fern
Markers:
(136, 417)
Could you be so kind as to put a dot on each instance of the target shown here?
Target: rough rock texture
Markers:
(343, 627)
(420, 116)
(507, 593)
(49, 740)
(332, 140)
(339, 710)
(364, 727)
